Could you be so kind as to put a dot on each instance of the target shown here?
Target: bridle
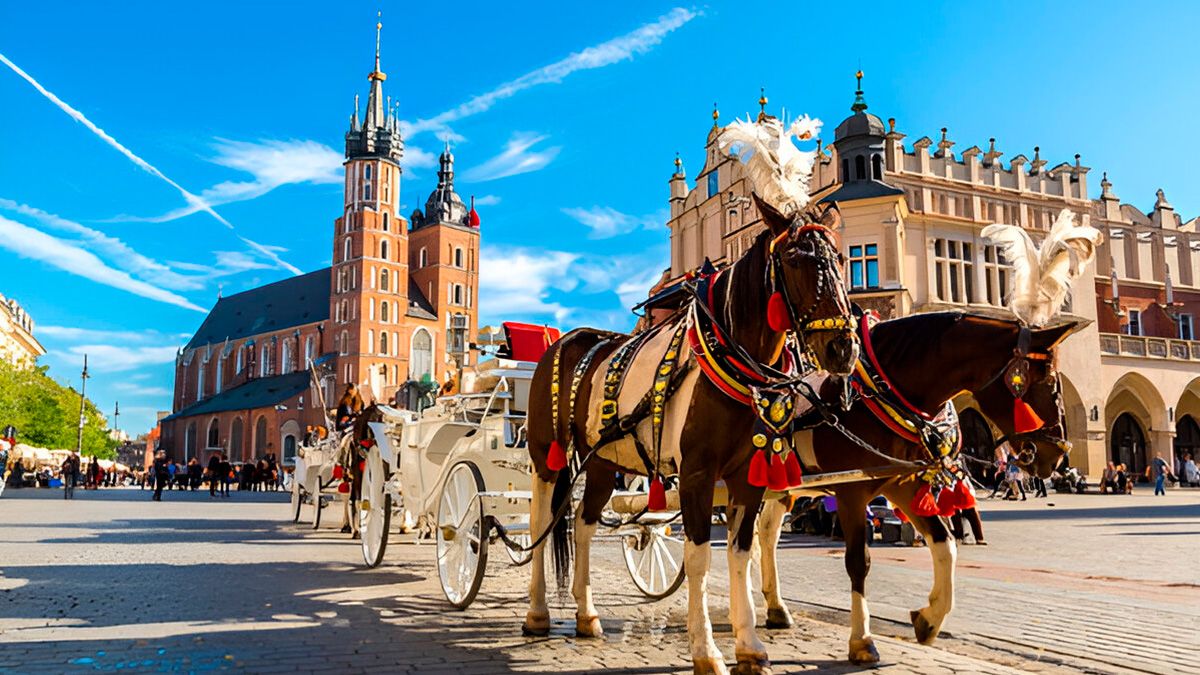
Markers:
(826, 259)
(1015, 374)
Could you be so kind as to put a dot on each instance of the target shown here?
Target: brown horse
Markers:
(705, 434)
(928, 359)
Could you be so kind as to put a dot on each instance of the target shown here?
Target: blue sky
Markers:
(564, 122)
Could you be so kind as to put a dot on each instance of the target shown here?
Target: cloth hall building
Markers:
(912, 215)
(378, 317)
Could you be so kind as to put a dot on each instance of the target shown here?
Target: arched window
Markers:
(387, 222)
(214, 434)
(860, 167)
(264, 362)
(383, 280)
(383, 249)
(383, 342)
(370, 341)
(237, 434)
(199, 379)
(260, 436)
(366, 192)
(241, 354)
(289, 448)
(423, 258)
(458, 294)
(458, 257)
(876, 167)
(220, 379)
(189, 441)
(345, 343)
(345, 252)
(845, 170)
(310, 347)
(367, 171)
(422, 354)
(285, 363)
(383, 311)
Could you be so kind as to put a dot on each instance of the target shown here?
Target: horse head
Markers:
(805, 279)
(1025, 400)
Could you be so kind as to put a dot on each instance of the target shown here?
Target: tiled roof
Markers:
(291, 302)
(419, 305)
(257, 393)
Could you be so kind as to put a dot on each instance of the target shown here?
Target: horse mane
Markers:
(745, 310)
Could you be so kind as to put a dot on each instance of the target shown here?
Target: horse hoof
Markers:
(536, 625)
(709, 666)
(345, 529)
(924, 630)
(752, 664)
(863, 651)
(588, 627)
(778, 617)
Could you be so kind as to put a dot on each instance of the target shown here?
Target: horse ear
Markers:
(776, 221)
(1045, 339)
(831, 217)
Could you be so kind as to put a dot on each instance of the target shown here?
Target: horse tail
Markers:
(562, 539)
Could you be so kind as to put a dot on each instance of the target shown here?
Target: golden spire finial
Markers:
(378, 30)
(716, 113)
(762, 101)
(678, 162)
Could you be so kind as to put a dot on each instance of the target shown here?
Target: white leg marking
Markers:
(539, 517)
(860, 617)
(769, 524)
(696, 559)
(941, 598)
(741, 605)
(581, 586)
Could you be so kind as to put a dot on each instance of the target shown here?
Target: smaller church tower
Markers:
(370, 248)
(444, 251)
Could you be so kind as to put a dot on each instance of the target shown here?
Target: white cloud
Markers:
(33, 244)
(135, 389)
(515, 282)
(606, 222)
(607, 53)
(273, 164)
(416, 158)
(114, 359)
(91, 334)
(141, 163)
(487, 200)
(517, 158)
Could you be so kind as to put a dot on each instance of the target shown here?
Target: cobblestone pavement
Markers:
(113, 582)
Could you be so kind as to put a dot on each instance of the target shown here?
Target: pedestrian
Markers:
(1159, 470)
(1124, 480)
(1190, 471)
(1039, 486)
(162, 473)
(70, 475)
(350, 405)
(170, 474)
(226, 471)
(214, 473)
(93, 481)
(1013, 475)
(193, 473)
(1108, 479)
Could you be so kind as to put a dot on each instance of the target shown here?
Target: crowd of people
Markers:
(219, 473)
(1118, 479)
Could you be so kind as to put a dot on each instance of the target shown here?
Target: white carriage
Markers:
(459, 473)
(320, 463)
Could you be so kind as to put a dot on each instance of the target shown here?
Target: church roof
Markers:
(419, 305)
(295, 301)
(256, 393)
(861, 189)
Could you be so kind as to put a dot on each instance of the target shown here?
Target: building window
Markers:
(1185, 327)
(199, 379)
(346, 249)
(458, 257)
(864, 266)
(383, 342)
(995, 276)
(310, 347)
(383, 280)
(285, 363)
(860, 167)
(214, 434)
(877, 167)
(845, 170)
(383, 311)
(345, 347)
(387, 218)
(422, 355)
(220, 378)
(714, 183)
(422, 258)
(954, 271)
(367, 171)
(366, 192)
(241, 354)
(264, 365)
(383, 249)
(1134, 327)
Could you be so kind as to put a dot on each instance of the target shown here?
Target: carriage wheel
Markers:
(654, 558)
(519, 557)
(374, 509)
(462, 543)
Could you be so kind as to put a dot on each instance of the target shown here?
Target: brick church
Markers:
(379, 317)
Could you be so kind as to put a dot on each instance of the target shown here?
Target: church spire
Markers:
(860, 104)
(375, 113)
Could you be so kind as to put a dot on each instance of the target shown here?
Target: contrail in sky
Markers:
(143, 164)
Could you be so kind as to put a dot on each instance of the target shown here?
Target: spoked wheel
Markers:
(519, 557)
(654, 558)
(374, 509)
(461, 535)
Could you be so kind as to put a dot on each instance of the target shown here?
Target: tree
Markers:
(46, 414)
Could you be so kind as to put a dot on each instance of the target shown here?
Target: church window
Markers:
(860, 167)
(423, 258)
(458, 257)
(422, 354)
(264, 363)
(845, 170)
(383, 252)
(714, 183)
(199, 379)
(219, 380)
(345, 347)
(387, 218)
(383, 336)
(214, 434)
(367, 171)
(309, 349)
(876, 167)
(366, 192)
(383, 311)
(346, 249)
(383, 280)
(241, 354)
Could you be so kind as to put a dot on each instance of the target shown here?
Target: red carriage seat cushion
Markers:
(528, 342)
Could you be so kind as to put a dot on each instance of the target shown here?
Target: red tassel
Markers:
(947, 502)
(795, 475)
(338, 472)
(966, 498)
(1024, 418)
(344, 487)
(758, 469)
(658, 495)
(777, 479)
(556, 458)
(362, 465)
(777, 313)
(900, 515)
(923, 503)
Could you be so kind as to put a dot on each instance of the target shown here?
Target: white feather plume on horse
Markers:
(1042, 275)
(778, 169)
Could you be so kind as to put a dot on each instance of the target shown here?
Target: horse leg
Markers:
(770, 522)
(852, 506)
(599, 486)
(696, 500)
(537, 619)
(750, 652)
(928, 620)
